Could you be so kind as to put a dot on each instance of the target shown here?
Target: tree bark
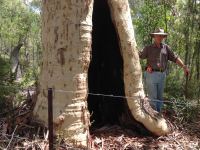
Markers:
(132, 70)
(66, 38)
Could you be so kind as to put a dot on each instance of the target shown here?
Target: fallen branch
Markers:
(11, 137)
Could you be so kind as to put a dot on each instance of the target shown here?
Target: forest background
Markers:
(21, 48)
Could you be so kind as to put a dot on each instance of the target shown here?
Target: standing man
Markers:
(157, 55)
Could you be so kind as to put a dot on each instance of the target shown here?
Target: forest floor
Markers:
(21, 133)
(116, 138)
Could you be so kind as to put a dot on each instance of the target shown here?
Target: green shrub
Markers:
(8, 88)
(183, 110)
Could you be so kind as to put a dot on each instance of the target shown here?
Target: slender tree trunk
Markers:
(187, 38)
(14, 59)
(165, 11)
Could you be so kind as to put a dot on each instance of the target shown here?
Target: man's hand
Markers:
(149, 69)
(186, 70)
(181, 64)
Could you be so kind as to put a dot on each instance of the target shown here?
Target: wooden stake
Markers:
(50, 118)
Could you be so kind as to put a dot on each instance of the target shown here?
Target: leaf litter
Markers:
(19, 131)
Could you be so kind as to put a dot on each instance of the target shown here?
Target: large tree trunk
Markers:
(66, 35)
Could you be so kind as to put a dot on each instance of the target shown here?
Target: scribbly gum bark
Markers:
(67, 39)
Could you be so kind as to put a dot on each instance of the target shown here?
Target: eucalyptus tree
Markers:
(90, 46)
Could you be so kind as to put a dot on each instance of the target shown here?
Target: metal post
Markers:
(50, 117)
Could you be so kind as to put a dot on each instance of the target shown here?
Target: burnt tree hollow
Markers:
(105, 74)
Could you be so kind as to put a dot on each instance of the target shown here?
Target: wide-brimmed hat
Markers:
(158, 31)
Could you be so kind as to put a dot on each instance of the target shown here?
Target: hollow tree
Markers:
(89, 48)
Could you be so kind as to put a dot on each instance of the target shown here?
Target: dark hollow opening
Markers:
(105, 75)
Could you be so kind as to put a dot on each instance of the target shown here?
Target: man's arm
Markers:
(181, 64)
(173, 57)
(143, 53)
